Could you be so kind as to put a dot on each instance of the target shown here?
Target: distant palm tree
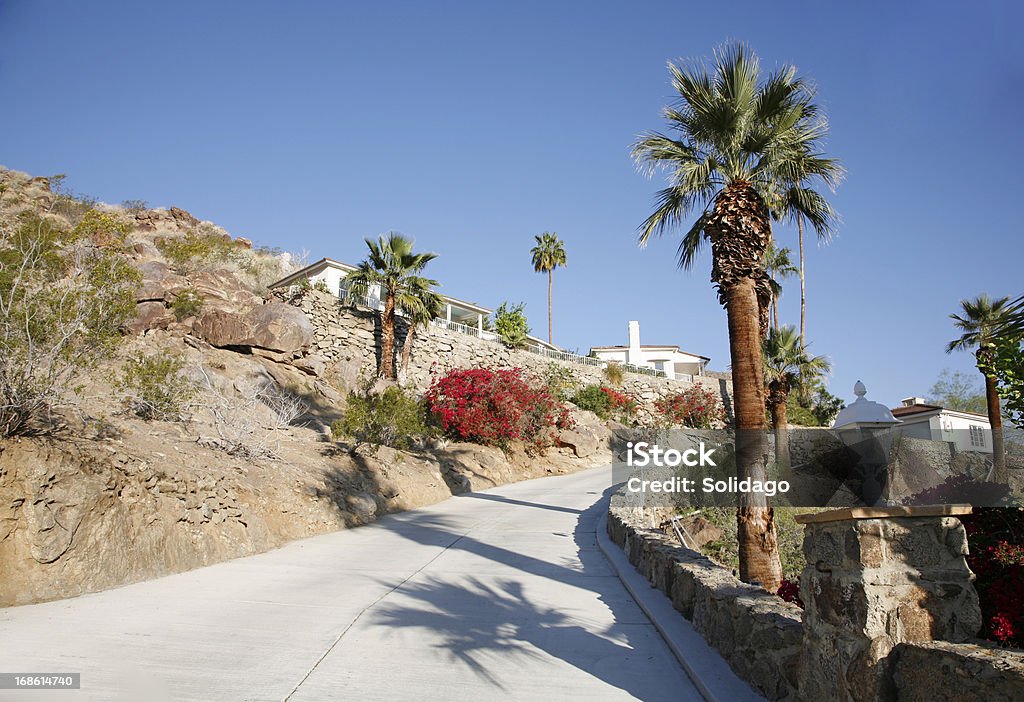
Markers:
(982, 319)
(799, 202)
(548, 254)
(394, 267)
(787, 367)
(778, 265)
(737, 143)
(419, 304)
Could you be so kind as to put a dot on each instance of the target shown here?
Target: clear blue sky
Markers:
(473, 126)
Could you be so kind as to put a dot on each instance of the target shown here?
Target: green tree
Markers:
(981, 321)
(739, 139)
(958, 391)
(420, 305)
(779, 266)
(786, 367)
(394, 267)
(510, 324)
(548, 254)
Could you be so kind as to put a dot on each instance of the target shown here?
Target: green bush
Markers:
(561, 381)
(605, 402)
(199, 246)
(391, 418)
(64, 301)
(154, 387)
(187, 304)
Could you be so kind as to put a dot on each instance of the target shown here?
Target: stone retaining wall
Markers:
(757, 633)
(940, 671)
(350, 339)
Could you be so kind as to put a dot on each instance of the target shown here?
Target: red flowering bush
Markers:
(605, 402)
(789, 590)
(696, 407)
(496, 407)
(995, 538)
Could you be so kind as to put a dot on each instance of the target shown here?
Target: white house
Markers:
(669, 360)
(466, 317)
(967, 431)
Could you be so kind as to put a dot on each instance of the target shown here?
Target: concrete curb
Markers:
(707, 669)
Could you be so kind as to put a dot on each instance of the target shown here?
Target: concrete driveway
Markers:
(500, 594)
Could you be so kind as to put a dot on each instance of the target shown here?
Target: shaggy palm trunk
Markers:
(775, 311)
(551, 335)
(999, 472)
(740, 230)
(407, 349)
(778, 396)
(803, 292)
(387, 338)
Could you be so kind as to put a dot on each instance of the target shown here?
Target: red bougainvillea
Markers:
(789, 590)
(696, 407)
(496, 406)
(995, 538)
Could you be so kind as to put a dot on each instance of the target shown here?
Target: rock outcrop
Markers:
(274, 326)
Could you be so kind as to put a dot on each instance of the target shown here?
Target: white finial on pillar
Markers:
(859, 390)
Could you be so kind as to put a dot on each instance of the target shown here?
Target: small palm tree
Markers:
(419, 304)
(737, 143)
(982, 320)
(548, 254)
(787, 367)
(393, 266)
(779, 266)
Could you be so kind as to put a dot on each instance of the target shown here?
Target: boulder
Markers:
(158, 282)
(314, 364)
(222, 288)
(150, 315)
(274, 326)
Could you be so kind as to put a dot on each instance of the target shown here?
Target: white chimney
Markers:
(633, 355)
(911, 401)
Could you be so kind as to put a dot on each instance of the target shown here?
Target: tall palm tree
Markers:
(548, 254)
(419, 304)
(736, 141)
(981, 321)
(394, 266)
(787, 367)
(800, 201)
(779, 266)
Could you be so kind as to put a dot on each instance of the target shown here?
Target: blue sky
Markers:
(473, 126)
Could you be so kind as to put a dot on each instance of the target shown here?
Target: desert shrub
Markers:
(187, 304)
(391, 418)
(562, 382)
(63, 301)
(995, 537)
(70, 205)
(135, 206)
(496, 407)
(510, 324)
(107, 229)
(605, 402)
(154, 388)
(614, 373)
(321, 285)
(696, 407)
(198, 247)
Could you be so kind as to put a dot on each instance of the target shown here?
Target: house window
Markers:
(977, 436)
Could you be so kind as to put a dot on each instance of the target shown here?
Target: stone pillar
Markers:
(877, 577)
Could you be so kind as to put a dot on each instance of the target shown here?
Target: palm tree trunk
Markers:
(407, 350)
(780, 424)
(775, 310)
(995, 419)
(803, 292)
(387, 338)
(551, 336)
(758, 543)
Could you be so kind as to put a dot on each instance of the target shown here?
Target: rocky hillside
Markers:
(104, 497)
